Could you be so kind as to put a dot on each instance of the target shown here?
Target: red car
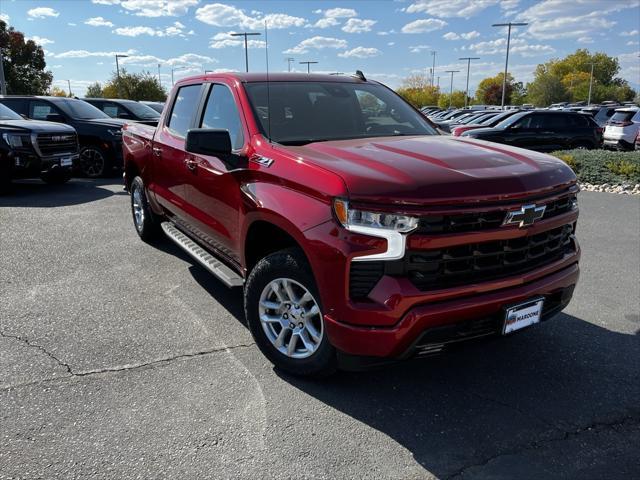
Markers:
(358, 233)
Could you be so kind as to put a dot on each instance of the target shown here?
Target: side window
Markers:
(39, 110)
(221, 112)
(110, 109)
(578, 120)
(524, 122)
(184, 107)
(17, 105)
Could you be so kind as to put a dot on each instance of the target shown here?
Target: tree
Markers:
(456, 102)
(417, 90)
(134, 86)
(57, 92)
(489, 90)
(24, 65)
(94, 91)
(546, 89)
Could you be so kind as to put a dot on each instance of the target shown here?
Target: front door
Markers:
(213, 186)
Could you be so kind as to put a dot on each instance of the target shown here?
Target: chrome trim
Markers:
(526, 216)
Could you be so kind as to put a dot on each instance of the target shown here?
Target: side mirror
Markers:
(55, 117)
(208, 141)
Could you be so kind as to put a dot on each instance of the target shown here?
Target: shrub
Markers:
(603, 166)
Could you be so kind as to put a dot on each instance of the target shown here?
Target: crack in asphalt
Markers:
(627, 420)
(119, 368)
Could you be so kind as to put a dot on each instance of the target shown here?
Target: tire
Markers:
(146, 223)
(5, 177)
(56, 177)
(93, 162)
(312, 354)
(582, 146)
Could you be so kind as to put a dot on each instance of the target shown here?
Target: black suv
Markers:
(543, 130)
(29, 148)
(100, 135)
(126, 109)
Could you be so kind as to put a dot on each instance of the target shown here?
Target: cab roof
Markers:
(277, 77)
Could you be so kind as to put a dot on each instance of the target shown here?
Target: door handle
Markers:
(191, 163)
(157, 151)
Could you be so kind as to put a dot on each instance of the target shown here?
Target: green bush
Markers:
(603, 166)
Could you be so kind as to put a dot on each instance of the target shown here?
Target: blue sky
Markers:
(388, 40)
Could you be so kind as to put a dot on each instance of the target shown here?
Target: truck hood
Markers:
(34, 126)
(421, 170)
(105, 122)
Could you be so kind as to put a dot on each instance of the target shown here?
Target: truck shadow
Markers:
(37, 194)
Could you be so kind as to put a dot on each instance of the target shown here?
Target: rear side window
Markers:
(221, 112)
(622, 116)
(579, 120)
(183, 110)
(39, 110)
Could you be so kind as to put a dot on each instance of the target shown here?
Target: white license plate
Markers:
(523, 315)
(66, 162)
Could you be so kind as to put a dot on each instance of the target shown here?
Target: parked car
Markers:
(32, 149)
(357, 238)
(157, 106)
(100, 136)
(491, 121)
(545, 131)
(622, 128)
(637, 147)
(601, 115)
(125, 109)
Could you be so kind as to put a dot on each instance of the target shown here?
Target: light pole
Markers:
(118, 70)
(289, 61)
(69, 84)
(3, 84)
(590, 84)
(466, 93)
(433, 67)
(246, 45)
(173, 69)
(451, 88)
(506, 62)
(307, 64)
(159, 79)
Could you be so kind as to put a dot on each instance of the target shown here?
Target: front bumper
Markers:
(478, 315)
(25, 164)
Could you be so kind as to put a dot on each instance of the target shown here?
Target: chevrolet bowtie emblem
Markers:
(526, 216)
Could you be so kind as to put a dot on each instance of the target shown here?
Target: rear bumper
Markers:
(475, 314)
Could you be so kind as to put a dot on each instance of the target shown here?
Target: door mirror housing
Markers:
(208, 141)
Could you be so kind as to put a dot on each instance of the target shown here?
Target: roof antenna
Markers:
(266, 52)
(360, 75)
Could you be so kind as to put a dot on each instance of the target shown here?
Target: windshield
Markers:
(142, 111)
(510, 120)
(79, 109)
(305, 112)
(7, 114)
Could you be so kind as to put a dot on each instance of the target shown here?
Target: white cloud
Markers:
(558, 19)
(317, 43)
(86, 53)
(466, 36)
(630, 33)
(357, 25)
(4, 17)
(424, 25)
(42, 12)
(391, 44)
(189, 60)
(385, 33)
(221, 15)
(518, 46)
(326, 22)
(71, 24)
(158, 8)
(40, 40)
(98, 22)
(585, 40)
(340, 13)
(450, 8)
(172, 31)
(418, 48)
(360, 52)
(224, 40)
(632, 43)
(106, 2)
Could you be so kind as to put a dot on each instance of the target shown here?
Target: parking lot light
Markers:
(506, 62)
(468, 59)
(246, 46)
(451, 88)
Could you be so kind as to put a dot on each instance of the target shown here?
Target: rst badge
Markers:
(526, 216)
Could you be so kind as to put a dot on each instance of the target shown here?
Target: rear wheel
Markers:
(146, 222)
(93, 161)
(285, 317)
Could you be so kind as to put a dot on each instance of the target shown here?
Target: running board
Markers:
(225, 274)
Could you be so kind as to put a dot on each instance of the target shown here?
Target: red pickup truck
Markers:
(359, 234)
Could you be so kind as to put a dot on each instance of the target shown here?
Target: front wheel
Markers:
(146, 222)
(284, 313)
(93, 161)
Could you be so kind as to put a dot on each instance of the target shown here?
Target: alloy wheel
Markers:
(138, 208)
(92, 162)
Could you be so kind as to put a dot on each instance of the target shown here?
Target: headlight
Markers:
(353, 219)
(574, 202)
(15, 140)
(115, 132)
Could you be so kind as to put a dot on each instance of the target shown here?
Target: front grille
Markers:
(57, 144)
(486, 261)
(472, 222)
(363, 277)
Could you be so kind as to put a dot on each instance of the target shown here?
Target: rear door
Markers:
(523, 133)
(168, 152)
(212, 186)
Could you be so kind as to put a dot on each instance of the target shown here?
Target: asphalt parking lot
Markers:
(123, 360)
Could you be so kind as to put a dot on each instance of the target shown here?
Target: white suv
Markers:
(622, 128)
